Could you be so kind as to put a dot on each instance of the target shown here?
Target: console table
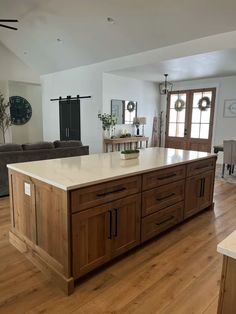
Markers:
(127, 142)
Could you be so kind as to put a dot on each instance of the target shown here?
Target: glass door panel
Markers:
(201, 115)
(177, 115)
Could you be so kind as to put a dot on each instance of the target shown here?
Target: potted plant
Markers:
(5, 117)
(108, 124)
(129, 154)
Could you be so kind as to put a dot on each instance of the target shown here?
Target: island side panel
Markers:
(41, 226)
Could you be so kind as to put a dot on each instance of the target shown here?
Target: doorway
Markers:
(189, 119)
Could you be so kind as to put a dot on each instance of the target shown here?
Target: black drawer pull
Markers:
(110, 192)
(164, 197)
(166, 220)
(202, 167)
(167, 177)
(202, 191)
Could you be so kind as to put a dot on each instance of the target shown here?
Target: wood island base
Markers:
(68, 233)
(39, 259)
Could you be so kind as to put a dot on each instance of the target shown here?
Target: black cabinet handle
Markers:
(202, 187)
(202, 167)
(200, 194)
(110, 224)
(116, 222)
(164, 197)
(110, 192)
(166, 220)
(167, 177)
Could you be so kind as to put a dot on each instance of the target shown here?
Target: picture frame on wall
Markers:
(230, 108)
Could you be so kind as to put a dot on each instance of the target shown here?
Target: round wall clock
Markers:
(21, 110)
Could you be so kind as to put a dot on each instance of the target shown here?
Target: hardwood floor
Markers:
(178, 273)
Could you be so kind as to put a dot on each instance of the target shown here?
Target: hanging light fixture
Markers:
(165, 87)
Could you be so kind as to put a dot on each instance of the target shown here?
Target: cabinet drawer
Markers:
(156, 223)
(164, 196)
(105, 192)
(161, 177)
(200, 166)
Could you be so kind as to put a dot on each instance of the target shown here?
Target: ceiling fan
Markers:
(8, 21)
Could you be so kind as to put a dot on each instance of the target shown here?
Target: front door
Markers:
(190, 116)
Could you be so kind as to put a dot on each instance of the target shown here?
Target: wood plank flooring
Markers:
(177, 273)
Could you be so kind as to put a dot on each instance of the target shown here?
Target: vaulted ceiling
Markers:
(85, 37)
(211, 64)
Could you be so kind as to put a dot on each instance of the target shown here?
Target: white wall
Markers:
(102, 87)
(32, 131)
(145, 93)
(12, 68)
(87, 81)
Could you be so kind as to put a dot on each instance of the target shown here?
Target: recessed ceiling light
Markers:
(110, 20)
(59, 40)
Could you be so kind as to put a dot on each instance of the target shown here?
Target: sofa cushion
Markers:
(10, 148)
(60, 144)
(37, 146)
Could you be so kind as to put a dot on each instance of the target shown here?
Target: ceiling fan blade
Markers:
(8, 21)
(10, 27)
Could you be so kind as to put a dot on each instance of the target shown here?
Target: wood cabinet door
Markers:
(198, 193)
(126, 224)
(91, 239)
(206, 198)
(192, 195)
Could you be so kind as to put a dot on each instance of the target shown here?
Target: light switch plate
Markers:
(27, 189)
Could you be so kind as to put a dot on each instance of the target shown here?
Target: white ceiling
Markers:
(140, 25)
(213, 64)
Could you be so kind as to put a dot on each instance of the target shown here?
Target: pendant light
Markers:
(165, 87)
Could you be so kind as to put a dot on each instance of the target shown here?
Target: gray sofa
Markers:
(13, 153)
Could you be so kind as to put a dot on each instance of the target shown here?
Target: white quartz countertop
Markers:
(228, 246)
(75, 172)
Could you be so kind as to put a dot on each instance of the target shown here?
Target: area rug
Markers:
(227, 178)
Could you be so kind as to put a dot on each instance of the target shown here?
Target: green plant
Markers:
(5, 117)
(130, 151)
(125, 135)
(107, 120)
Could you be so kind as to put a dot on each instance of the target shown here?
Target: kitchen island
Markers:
(227, 301)
(69, 216)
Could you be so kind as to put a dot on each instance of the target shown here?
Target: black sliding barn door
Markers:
(69, 111)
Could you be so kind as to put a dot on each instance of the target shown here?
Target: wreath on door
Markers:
(179, 104)
(131, 106)
(204, 103)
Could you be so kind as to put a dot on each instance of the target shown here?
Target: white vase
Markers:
(106, 133)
